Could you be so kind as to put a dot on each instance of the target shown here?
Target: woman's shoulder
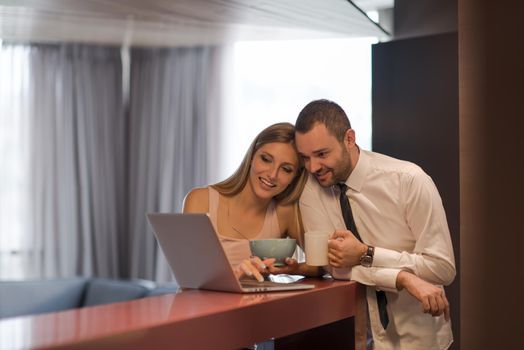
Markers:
(197, 200)
(199, 192)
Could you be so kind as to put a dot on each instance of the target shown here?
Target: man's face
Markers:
(324, 156)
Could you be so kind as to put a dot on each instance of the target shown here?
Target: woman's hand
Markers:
(254, 267)
(291, 268)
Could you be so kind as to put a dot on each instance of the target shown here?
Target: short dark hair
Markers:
(326, 112)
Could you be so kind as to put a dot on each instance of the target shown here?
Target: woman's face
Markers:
(273, 167)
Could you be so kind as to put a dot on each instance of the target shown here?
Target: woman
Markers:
(258, 201)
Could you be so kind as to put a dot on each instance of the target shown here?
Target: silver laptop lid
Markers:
(196, 257)
(193, 251)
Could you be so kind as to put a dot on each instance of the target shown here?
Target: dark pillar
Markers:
(491, 100)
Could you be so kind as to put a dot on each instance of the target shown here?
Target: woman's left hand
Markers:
(291, 268)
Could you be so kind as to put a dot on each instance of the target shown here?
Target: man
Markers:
(391, 235)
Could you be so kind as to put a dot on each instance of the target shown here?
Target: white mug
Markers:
(316, 247)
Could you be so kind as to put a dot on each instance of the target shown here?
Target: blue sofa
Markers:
(18, 298)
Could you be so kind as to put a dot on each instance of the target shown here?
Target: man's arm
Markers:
(432, 257)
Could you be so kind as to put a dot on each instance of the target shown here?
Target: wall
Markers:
(415, 117)
(424, 17)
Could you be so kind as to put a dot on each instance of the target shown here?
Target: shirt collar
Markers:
(357, 177)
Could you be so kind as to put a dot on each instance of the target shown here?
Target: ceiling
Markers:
(182, 22)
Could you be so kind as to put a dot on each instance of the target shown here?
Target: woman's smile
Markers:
(267, 183)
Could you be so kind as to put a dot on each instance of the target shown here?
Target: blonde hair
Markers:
(280, 132)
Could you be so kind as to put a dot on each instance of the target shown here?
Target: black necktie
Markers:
(350, 225)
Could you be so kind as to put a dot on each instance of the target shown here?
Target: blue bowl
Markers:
(278, 248)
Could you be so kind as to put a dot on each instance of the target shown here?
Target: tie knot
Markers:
(343, 187)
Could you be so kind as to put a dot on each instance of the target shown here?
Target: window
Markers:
(273, 80)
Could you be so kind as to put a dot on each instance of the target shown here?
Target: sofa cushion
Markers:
(18, 298)
(104, 291)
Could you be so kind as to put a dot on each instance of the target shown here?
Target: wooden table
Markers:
(191, 319)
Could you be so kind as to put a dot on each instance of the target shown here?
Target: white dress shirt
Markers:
(397, 209)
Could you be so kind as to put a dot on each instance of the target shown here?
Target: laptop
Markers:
(197, 259)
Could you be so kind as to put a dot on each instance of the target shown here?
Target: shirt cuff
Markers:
(386, 257)
(340, 273)
(382, 278)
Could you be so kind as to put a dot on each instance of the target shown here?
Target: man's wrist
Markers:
(364, 249)
(368, 253)
(401, 280)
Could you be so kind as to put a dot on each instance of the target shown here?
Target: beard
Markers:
(340, 170)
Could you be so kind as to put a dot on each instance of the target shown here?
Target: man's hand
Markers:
(431, 297)
(344, 250)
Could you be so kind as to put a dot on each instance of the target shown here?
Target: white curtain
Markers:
(77, 148)
(81, 167)
(14, 160)
(173, 105)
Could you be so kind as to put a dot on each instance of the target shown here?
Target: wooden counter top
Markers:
(191, 319)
